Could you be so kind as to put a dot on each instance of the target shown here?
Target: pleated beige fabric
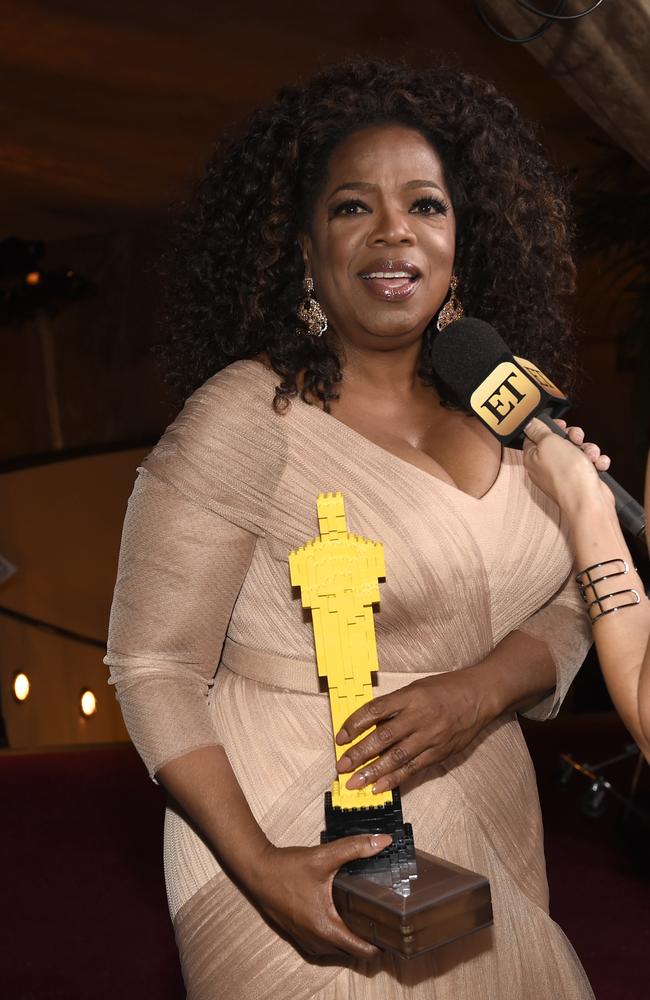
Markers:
(230, 489)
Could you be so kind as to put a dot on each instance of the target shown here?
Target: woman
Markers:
(569, 478)
(370, 202)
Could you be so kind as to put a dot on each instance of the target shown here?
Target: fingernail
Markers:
(380, 840)
(345, 764)
(342, 736)
(380, 786)
(357, 780)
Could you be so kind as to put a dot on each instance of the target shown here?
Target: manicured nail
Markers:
(380, 840)
(380, 786)
(345, 764)
(357, 780)
(342, 736)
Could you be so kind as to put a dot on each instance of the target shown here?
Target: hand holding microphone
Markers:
(505, 392)
(568, 475)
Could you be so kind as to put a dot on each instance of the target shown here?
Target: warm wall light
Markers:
(22, 686)
(33, 278)
(88, 703)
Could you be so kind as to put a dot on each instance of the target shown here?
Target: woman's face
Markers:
(381, 243)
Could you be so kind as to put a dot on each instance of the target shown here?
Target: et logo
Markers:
(506, 399)
(541, 379)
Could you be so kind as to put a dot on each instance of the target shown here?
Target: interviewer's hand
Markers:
(565, 473)
(418, 725)
(293, 886)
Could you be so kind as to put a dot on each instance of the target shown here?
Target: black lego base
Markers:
(398, 859)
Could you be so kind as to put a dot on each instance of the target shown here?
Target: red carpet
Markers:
(85, 917)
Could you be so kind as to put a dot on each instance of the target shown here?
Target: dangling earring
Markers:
(453, 307)
(310, 311)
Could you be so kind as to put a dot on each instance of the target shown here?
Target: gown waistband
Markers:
(298, 675)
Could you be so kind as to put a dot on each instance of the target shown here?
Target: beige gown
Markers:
(229, 490)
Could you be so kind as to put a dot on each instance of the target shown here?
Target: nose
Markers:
(392, 227)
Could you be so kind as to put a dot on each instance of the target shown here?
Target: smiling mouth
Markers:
(391, 280)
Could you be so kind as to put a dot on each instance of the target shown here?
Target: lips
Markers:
(390, 279)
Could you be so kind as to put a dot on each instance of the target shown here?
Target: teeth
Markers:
(389, 274)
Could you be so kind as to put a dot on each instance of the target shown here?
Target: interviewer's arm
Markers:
(568, 477)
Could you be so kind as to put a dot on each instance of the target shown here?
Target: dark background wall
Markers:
(112, 110)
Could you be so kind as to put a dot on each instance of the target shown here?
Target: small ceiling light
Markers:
(22, 687)
(88, 703)
(33, 278)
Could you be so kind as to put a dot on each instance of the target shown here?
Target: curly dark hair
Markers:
(234, 270)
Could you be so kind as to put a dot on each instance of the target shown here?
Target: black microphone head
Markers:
(464, 354)
(503, 391)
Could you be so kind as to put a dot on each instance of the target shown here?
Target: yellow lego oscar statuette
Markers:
(338, 575)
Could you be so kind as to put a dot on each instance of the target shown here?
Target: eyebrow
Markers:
(365, 186)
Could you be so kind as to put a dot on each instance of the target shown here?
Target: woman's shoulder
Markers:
(241, 383)
(236, 400)
(226, 439)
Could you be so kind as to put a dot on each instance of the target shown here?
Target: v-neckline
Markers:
(391, 456)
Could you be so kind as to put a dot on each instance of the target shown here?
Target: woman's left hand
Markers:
(418, 725)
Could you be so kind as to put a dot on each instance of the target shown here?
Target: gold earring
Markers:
(310, 311)
(453, 307)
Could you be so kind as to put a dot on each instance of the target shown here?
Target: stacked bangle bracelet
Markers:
(599, 603)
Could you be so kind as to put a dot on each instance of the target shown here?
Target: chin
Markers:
(398, 327)
(395, 322)
(394, 336)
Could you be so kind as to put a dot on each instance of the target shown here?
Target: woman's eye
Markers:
(429, 206)
(351, 207)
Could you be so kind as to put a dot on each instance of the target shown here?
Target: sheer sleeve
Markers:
(180, 570)
(563, 625)
(198, 507)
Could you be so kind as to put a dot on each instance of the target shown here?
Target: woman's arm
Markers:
(291, 885)
(529, 671)
(568, 477)
(181, 568)
(430, 719)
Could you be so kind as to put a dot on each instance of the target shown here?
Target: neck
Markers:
(393, 371)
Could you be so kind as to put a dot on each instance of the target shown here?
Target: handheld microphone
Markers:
(505, 392)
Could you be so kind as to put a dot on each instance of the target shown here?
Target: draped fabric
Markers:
(228, 492)
(601, 60)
